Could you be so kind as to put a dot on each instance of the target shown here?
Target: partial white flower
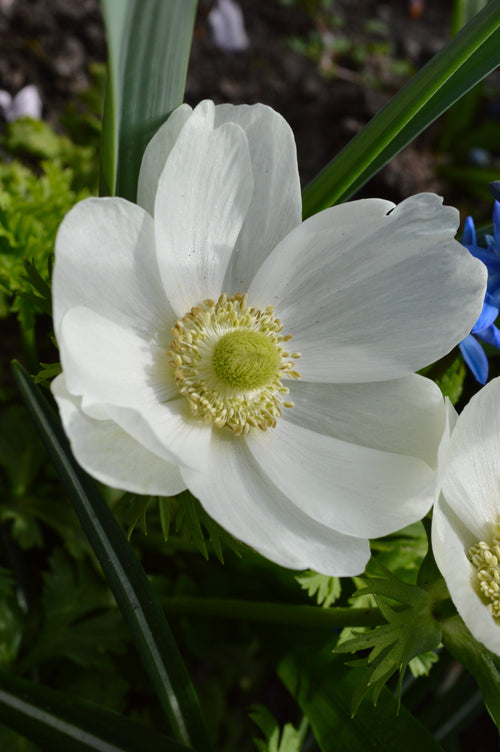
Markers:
(466, 519)
(228, 26)
(185, 321)
(26, 103)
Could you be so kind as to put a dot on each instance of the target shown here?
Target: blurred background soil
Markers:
(326, 66)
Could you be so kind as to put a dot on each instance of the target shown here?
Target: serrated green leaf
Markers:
(79, 621)
(323, 688)
(422, 664)
(409, 632)
(463, 62)
(326, 589)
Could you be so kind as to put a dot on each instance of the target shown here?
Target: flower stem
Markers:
(273, 613)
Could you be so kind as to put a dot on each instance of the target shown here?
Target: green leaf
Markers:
(452, 381)
(148, 51)
(408, 633)
(57, 721)
(21, 451)
(482, 664)
(11, 620)
(288, 740)
(79, 621)
(326, 589)
(462, 63)
(323, 688)
(131, 588)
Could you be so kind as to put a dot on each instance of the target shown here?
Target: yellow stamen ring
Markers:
(485, 557)
(229, 363)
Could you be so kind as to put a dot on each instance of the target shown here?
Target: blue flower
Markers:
(484, 329)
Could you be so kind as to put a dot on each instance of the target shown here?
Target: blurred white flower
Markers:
(228, 26)
(174, 318)
(466, 518)
(26, 103)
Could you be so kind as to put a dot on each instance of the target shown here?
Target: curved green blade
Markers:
(55, 721)
(133, 593)
(461, 64)
(148, 50)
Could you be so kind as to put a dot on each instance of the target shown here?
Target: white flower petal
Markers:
(202, 199)
(370, 291)
(236, 493)
(450, 541)
(156, 155)
(106, 261)
(113, 364)
(228, 26)
(168, 430)
(276, 206)
(120, 377)
(27, 103)
(471, 485)
(354, 489)
(404, 416)
(111, 455)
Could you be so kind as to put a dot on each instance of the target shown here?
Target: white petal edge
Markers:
(404, 416)
(105, 260)
(156, 154)
(372, 291)
(353, 489)
(112, 456)
(450, 540)
(471, 482)
(242, 500)
(276, 206)
(202, 199)
(113, 364)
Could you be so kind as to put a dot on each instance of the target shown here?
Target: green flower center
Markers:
(245, 359)
(229, 362)
(485, 557)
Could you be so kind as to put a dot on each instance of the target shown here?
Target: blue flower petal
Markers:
(474, 356)
(496, 226)
(488, 316)
(469, 234)
(491, 335)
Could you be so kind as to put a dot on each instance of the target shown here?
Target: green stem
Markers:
(273, 613)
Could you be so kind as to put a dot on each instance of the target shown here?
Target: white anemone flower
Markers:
(466, 518)
(175, 320)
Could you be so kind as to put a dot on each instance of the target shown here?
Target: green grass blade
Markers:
(148, 49)
(56, 721)
(462, 63)
(131, 588)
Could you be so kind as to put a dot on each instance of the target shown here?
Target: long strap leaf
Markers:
(462, 63)
(55, 721)
(131, 588)
(148, 51)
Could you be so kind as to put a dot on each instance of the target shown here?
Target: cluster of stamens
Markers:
(486, 559)
(229, 362)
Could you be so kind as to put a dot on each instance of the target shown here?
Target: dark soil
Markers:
(51, 43)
